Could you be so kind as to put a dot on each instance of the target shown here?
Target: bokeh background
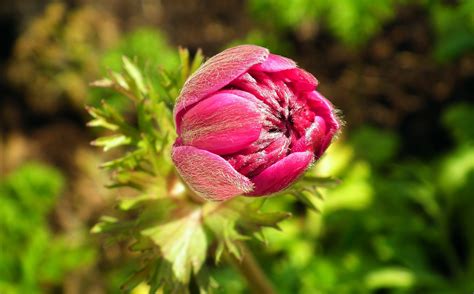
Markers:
(402, 73)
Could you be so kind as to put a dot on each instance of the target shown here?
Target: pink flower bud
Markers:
(249, 123)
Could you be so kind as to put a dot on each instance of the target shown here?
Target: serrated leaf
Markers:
(133, 202)
(134, 178)
(182, 242)
(131, 160)
(102, 83)
(306, 200)
(162, 278)
(110, 142)
(205, 282)
(318, 194)
(135, 279)
(135, 74)
(224, 229)
(141, 244)
(321, 181)
(119, 79)
(260, 236)
(101, 122)
(100, 119)
(184, 60)
(166, 79)
(219, 250)
(233, 248)
(266, 219)
(197, 61)
(112, 113)
(108, 224)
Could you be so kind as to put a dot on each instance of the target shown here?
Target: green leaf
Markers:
(265, 219)
(133, 202)
(184, 59)
(205, 282)
(102, 83)
(197, 61)
(106, 224)
(182, 242)
(326, 182)
(306, 199)
(142, 244)
(99, 119)
(135, 279)
(113, 141)
(390, 277)
(135, 75)
(120, 80)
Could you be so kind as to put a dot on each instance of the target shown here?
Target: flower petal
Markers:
(281, 174)
(275, 63)
(322, 107)
(313, 138)
(251, 163)
(217, 72)
(301, 79)
(208, 174)
(223, 123)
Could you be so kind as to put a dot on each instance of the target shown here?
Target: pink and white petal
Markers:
(208, 174)
(223, 124)
(281, 174)
(325, 109)
(322, 107)
(263, 108)
(216, 73)
(275, 63)
(302, 80)
(246, 95)
(313, 138)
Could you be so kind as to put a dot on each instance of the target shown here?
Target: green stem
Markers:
(252, 272)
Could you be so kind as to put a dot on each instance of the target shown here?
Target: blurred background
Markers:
(402, 73)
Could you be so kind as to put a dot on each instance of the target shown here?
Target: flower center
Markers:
(287, 116)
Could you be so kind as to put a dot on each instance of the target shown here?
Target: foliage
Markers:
(147, 44)
(454, 27)
(32, 255)
(354, 22)
(351, 21)
(149, 48)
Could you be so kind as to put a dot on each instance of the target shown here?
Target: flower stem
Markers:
(252, 272)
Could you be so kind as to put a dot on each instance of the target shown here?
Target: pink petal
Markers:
(223, 123)
(252, 163)
(247, 96)
(258, 88)
(301, 79)
(216, 73)
(322, 107)
(275, 63)
(313, 138)
(281, 174)
(208, 174)
(325, 109)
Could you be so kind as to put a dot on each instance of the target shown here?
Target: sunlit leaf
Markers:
(182, 242)
(111, 141)
(135, 74)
